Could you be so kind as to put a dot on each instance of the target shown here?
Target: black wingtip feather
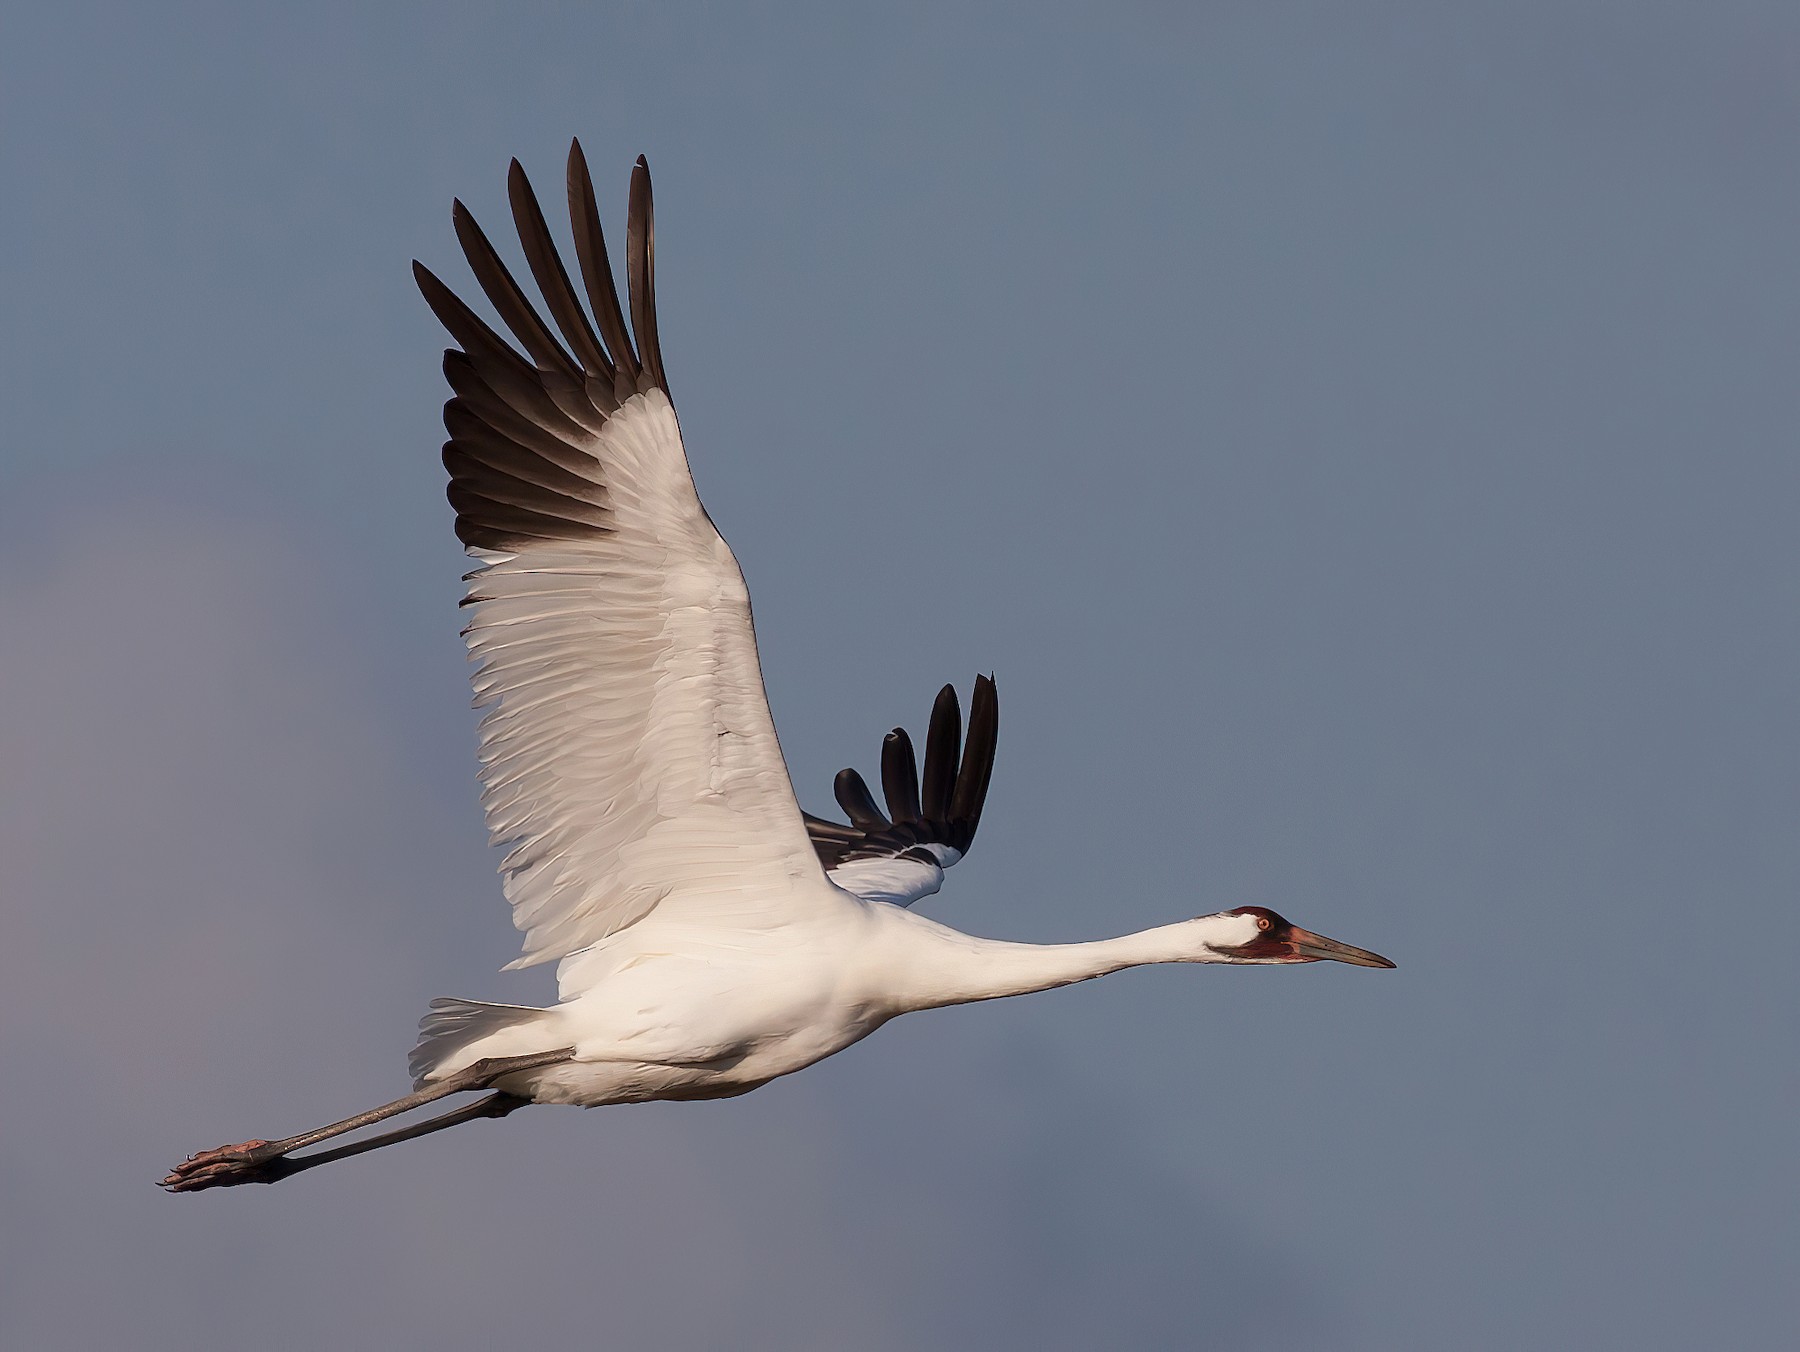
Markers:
(548, 271)
(484, 347)
(900, 776)
(949, 809)
(853, 795)
(504, 293)
(596, 272)
(520, 456)
(977, 768)
(640, 273)
(942, 741)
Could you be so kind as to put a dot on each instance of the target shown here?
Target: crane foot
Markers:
(228, 1166)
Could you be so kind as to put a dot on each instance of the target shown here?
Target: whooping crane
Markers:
(708, 935)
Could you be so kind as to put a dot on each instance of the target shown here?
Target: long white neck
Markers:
(925, 965)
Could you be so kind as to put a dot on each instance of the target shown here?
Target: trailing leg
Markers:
(270, 1161)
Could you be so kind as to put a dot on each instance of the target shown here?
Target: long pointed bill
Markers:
(1310, 947)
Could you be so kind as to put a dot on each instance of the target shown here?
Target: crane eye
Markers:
(1264, 923)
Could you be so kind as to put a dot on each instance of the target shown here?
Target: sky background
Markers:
(1361, 439)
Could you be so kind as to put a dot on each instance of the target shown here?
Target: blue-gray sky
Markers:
(1360, 438)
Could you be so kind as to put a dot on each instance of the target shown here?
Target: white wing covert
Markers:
(901, 856)
(628, 759)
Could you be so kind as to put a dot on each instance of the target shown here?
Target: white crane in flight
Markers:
(708, 935)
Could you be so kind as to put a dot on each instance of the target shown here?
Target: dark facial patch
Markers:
(1273, 937)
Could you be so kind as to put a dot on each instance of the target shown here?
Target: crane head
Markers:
(1266, 937)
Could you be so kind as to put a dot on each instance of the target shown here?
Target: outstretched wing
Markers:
(931, 819)
(628, 759)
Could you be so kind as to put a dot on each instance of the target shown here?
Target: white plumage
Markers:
(709, 935)
(628, 760)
